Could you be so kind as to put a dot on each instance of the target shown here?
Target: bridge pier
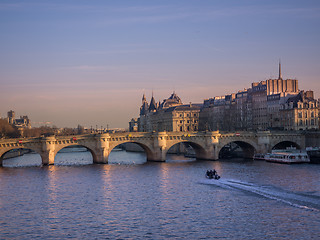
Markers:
(48, 150)
(101, 157)
(101, 154)
(47, 158)
(209, 154)
(158, 155)
(210, 151)
(159, 147)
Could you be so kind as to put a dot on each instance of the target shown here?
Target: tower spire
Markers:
(280, 75)
(143, 98)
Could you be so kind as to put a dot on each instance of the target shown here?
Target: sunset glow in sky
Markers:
(89, 62)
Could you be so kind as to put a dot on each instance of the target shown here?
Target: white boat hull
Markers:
(287, 157)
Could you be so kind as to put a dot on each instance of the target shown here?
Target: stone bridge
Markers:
(207, 145)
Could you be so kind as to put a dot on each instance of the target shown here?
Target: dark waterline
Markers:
(171, 200)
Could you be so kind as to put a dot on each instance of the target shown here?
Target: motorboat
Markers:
(212, 174)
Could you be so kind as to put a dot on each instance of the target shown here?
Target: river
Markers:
(134, 199)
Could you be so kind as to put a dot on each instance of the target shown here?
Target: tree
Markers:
(8, 130)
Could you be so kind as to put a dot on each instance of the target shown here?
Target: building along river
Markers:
(130, 198)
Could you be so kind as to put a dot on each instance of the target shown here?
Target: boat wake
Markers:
(306, 201)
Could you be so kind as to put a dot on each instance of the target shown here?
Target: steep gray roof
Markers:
(153, 105)
(171, 101)
(186, 107)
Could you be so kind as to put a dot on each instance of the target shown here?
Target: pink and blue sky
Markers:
(76, 62)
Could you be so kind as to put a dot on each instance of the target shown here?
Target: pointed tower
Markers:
(280, 75)
(153, 105)
(144, 99)
(144, 107)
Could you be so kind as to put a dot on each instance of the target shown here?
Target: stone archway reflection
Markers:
(285, 145)
(129, 153)
(74, 155)
(185, 150)
(237, 149)
(21, 157)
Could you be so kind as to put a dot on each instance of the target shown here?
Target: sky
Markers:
(76, 62)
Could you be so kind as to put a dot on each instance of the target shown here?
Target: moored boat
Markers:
(314, 154)
(287, 156)
(258, 156)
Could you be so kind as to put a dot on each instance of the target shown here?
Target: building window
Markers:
(300, 115)
(300, 123)
(312, 122)
(312, 114)
(181, 129)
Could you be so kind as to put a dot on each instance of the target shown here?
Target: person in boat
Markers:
(209, 174)
(212, 174)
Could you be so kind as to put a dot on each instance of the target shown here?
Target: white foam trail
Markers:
(290, 198)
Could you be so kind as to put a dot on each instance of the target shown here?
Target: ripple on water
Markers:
(169, 200)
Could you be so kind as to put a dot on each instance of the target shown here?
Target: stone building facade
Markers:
(218, 113)
(300, 112)
(273, 104)
(20, 123)
(170, 115)
(260, 107)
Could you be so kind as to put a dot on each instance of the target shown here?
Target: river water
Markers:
(132, 199)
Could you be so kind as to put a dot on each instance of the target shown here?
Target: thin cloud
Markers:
(134, 9)
(147, 19)
(87, 68)
(124, 51)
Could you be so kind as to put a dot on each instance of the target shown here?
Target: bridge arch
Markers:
(200, 152)
(285, 144)
(248, 147)
(89, 149)
(93, 153)
(144, 146)
(37, 151)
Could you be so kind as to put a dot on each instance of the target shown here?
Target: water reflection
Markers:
(52, 188)
(178, 158)
(73, 156)
(26, 160)
(123, 157)
(165, 200)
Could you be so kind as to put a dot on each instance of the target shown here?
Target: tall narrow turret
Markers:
(153, 105)
(144, 107)
(280, 75)
(144, 99)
